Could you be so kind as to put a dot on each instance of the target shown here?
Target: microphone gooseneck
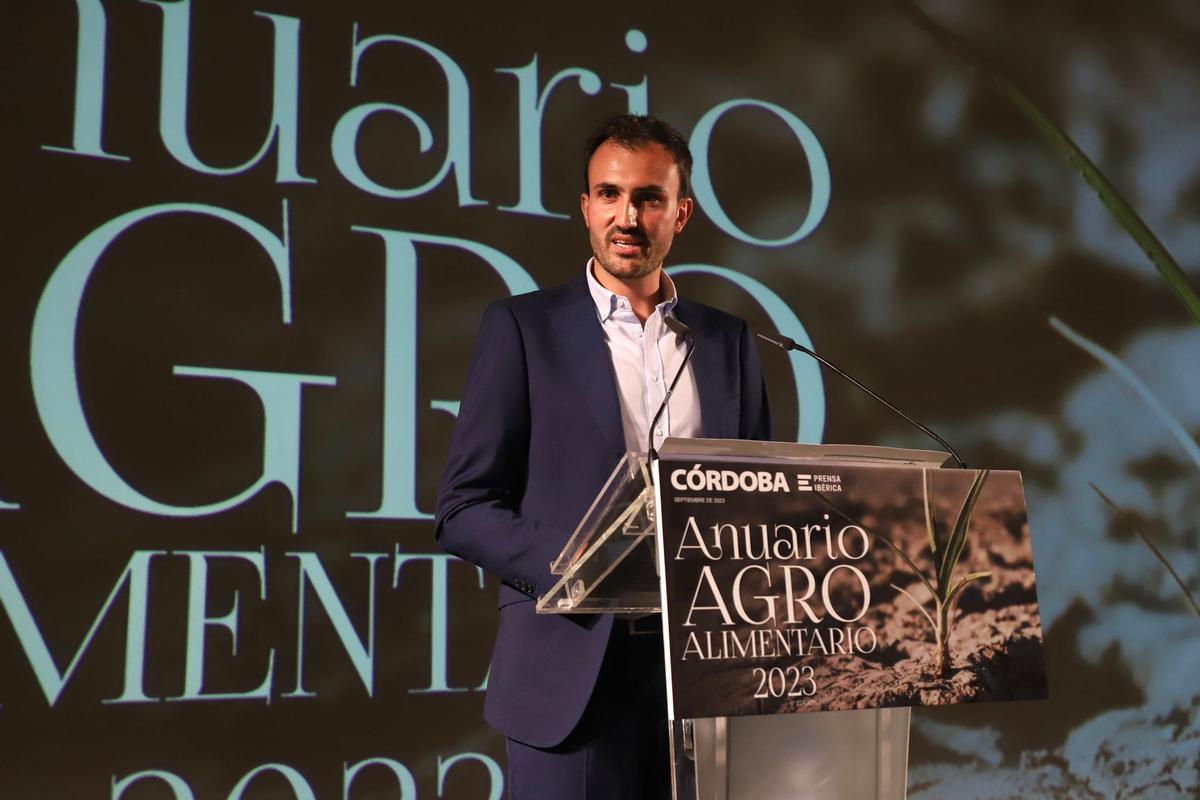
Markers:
(685, 332)
(787, 343)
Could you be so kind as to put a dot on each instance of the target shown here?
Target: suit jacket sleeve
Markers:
(478, 516)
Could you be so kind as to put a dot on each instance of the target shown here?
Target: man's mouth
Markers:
(625, 244)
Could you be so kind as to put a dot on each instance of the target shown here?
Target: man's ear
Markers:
(684, 213)
(583, 206)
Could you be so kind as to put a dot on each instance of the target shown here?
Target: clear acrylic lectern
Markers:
(610, 564)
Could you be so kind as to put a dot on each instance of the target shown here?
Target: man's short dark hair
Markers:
(632, 132)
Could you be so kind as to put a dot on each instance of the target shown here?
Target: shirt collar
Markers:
(607, 301)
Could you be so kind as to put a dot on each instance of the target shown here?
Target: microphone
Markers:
(786, 343)
(679, 328)
(683, 331)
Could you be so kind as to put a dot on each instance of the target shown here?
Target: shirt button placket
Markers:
(648, 376)
(664, 422)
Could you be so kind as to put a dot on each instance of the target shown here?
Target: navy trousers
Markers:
(620, 748)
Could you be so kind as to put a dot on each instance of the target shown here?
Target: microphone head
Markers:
(779, 340)
(678, 327)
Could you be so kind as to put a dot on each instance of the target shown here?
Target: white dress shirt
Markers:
(645, 360)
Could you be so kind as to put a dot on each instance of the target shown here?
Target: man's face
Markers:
(632, 208)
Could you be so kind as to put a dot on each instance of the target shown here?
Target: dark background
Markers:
(953, 234)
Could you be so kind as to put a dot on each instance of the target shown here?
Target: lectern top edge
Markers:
(740, 448)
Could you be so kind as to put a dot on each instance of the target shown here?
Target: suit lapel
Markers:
(718, 406)
(581, 340)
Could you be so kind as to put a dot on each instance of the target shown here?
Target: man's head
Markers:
(637, 173)
(635, 132)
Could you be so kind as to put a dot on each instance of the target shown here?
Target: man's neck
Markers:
(644, 293)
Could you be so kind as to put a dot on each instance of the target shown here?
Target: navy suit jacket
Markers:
(538, 433)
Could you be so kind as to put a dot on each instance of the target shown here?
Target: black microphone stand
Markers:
(680, 330)
(779, 340)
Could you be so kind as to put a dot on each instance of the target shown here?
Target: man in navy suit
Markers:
(562, 383)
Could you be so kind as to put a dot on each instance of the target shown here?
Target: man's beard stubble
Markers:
(623, 269)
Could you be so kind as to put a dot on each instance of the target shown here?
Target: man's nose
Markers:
(627, 214)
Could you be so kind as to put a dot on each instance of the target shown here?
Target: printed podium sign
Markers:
(820, 586)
